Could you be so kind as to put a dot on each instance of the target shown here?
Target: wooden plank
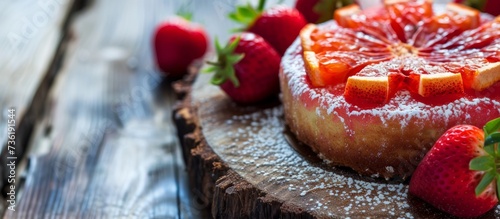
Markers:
(106, 146)
(31, 41)
(30, 36)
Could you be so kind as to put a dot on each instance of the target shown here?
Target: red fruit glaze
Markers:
(475, 108)
(257, 72)
(279, 26)
(444, 179)
(177, 42)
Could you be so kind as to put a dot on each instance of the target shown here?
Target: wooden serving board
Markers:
(244, 160)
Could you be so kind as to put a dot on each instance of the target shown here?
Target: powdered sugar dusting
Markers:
(266, 153)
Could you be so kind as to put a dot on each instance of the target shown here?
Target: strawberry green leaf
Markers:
(218, 47)
(492, 126)
(483, 163)
(492, 138)
(232, 77)
(233, 45)
(246, 11)
(490, 149)
(217, 79)
(236, 58)
(224, 66)
(234, 16)
(209, 69)
(485, 181)
(246, 14)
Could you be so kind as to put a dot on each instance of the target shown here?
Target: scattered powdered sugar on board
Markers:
(258, 149)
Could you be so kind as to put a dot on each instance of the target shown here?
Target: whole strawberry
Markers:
(246, 69)
(459, 174)
(279, 25)
(318, 11)
(177, 43)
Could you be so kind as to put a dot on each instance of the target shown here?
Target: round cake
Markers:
(375, 96)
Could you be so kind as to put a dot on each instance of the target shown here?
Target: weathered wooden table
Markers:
(90, 114)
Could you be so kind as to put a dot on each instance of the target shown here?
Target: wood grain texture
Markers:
(31, 37)
(245, 160)
(105, 147)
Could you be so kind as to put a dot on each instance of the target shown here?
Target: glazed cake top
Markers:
(403, 107)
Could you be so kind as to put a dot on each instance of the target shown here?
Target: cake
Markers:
(370, 94)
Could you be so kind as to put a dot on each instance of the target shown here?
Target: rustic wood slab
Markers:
(246, 162)
(105, 146)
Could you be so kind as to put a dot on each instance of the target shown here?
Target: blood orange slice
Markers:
(403, 45)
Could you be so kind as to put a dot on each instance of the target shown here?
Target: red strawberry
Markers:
(318, 11)
(279, 25)
(459, 174)
(177, 42)
(247, 69)
(488, 6)
(492, 7)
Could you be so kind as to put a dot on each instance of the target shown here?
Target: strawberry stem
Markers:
(186, 15)
(261, 5)
(184, 12)
(224, 66)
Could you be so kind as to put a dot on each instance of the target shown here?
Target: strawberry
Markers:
(459, 174)
(489, 6)
(279, 25)
(177, 43)
(246, 69)
(318, 11)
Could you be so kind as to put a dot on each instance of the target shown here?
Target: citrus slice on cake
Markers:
(404, 46)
